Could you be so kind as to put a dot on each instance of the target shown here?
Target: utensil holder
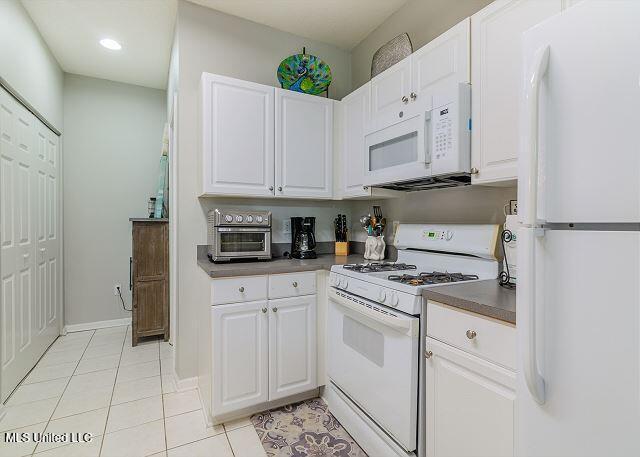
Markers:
(374, 248)
(342, 248)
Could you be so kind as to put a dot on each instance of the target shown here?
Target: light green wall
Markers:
(423, 20)
(112, 143)
(27, 64)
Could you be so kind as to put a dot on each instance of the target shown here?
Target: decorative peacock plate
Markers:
(304, 73)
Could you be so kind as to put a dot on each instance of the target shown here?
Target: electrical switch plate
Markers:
(286, 226)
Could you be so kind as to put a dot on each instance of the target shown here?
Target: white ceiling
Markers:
(73, 28)
(343, 23)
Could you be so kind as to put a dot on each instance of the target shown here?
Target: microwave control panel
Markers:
(442, 132)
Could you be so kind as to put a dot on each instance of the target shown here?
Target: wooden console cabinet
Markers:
(150, 278)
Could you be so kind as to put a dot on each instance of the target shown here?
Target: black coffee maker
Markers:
(303, 237)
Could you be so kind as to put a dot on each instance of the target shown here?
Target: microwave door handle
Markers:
(428, 137)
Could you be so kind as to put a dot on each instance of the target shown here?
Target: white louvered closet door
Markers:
(30, 269)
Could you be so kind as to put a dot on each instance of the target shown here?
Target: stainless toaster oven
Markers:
(238, 234)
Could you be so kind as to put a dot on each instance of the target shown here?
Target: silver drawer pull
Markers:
(295, 284)
(275, 309)
(428, 354)
(264, 310)
(471, 334)
(241, 289)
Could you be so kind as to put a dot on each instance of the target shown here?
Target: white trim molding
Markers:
(96, 325)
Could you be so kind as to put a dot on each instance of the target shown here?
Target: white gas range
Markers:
(376, 334)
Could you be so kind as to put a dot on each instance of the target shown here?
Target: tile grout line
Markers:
(64, 390)
(104, 431)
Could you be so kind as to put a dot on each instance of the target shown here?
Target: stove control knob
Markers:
(394, 299)
(345, 284)
(228, 218)
(382, 296)
(449, 235)
(239, 218)
(259, 219)
(249, 219)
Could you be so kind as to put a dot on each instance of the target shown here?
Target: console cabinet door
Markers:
(240, 356)
(237, 137)
(292, 346)
(304, 145)
(497, 81)
(470, 404)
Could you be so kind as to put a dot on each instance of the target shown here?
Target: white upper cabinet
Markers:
(440, 65)
(304, 145)
(237, 137)
(496, 78)
(390, 92)
(355, 118)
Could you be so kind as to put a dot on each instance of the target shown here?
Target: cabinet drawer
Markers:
(493, 340)
(292, 284)
(236, 290)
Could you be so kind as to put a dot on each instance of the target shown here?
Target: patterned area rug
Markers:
(305, 429)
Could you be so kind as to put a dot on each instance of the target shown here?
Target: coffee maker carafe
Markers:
(303, 238)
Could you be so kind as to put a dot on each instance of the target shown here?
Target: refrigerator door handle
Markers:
(532, 97)
(527, 239)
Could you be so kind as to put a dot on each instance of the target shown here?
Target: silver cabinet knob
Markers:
(413, 96)
(365, 187)
(264, 310)
(295, 284)
(471, 334)
(275, 309)
(474, 171)
(428, 354)
(405, 100)
(270, 187)
(241, 289)
(279, 188)
(400, 114)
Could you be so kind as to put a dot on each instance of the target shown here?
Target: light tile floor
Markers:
(95, 382)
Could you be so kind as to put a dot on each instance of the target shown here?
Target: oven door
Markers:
(373, 358)
(247, 242)
(399, 152)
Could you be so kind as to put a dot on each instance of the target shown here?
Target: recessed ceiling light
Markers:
(111, 44)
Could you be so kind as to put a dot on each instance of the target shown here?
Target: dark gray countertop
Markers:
(487, 298)
(148, 219)
(278, 265)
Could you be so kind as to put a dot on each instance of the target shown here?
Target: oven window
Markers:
(364, 340)
(397, 151)
(241, 242)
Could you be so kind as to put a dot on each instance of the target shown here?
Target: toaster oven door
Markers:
(241, 242)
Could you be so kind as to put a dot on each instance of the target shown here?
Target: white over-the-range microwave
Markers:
(427, 148)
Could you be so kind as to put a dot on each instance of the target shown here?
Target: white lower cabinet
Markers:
(292, 346)
(470, 404)
(262, 350)
(240, 337)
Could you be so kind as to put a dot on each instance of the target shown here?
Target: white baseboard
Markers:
(95, 325)
(185, 384)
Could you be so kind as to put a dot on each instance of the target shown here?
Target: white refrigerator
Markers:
(578, 293)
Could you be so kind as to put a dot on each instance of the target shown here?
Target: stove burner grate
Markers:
(375, 267)
(435, 277)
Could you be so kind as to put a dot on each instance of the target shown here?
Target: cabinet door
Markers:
(470, 404)
(496, 78)
(237, 137)
(439, 66)
(390, 92)
(355, 117)
(304, 145)
(292, 346)
(240, 356)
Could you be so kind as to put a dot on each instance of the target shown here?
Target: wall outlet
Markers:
(513, 206)
(115, 289)
(286, 226)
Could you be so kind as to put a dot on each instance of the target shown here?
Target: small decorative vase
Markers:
(374, 248)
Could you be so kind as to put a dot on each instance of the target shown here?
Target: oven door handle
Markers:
(408, 326)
